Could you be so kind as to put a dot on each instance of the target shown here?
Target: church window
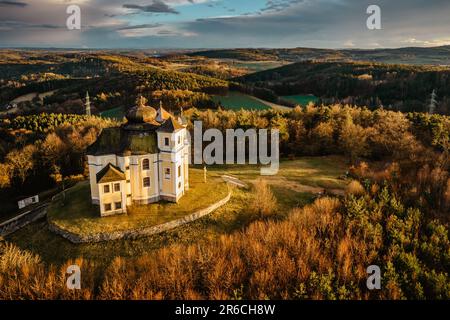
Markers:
(167, 173)
(146, 164)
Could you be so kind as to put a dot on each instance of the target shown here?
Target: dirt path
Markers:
(298, 187)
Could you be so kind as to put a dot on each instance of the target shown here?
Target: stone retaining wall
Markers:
(136, 233)
(21, 221)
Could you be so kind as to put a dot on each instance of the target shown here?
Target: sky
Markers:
(143, 24)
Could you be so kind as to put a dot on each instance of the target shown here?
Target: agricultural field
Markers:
(257, 66)
(302, 100)
(237, 101)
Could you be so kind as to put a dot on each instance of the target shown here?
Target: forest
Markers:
(396, 87)
(393, 212)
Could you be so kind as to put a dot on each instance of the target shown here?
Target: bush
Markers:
(264, 202)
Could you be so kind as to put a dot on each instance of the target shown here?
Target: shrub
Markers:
(264, 202)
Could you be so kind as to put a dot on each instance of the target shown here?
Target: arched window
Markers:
(146, 164)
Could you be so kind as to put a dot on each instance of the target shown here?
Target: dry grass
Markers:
(264, 202)
(355, 188)
(269, 259)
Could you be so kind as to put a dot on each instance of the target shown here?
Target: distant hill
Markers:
(400, 87)
(112, 79)
(410, 55)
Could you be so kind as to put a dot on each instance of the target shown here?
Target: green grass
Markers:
(298, 181)
(301, 99)
(237, 101)
(116, 113)
(290, 187)
(80, 216)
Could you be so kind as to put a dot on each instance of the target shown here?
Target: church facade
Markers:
(144, 161)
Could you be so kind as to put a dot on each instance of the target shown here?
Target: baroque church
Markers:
(146, 160)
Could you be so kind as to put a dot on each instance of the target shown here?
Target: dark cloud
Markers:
(156, 6)
(11, 24)
(140, 26)
(279, 5)
(13, 4)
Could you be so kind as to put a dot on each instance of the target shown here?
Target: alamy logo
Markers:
(74, 279)
(73, 22)
(374, 279)
(374, 20)
(236, 141)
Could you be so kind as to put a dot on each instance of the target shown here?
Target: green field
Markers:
(238, 101)
(116, 113)
(257, 66)
(296, 185)
(302, 100)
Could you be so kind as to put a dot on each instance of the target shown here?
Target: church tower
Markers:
(87, 105)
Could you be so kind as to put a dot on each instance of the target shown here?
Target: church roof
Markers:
(110, 173)
(162, 114)
(124, 142)
(141, 113)
(170, 125)
(136, 137)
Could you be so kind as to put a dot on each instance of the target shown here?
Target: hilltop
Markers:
(409, 55)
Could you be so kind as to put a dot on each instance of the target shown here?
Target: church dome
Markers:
(141, 113)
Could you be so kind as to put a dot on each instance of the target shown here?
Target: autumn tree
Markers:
(5, 175)
(21, 162)
(353, 139)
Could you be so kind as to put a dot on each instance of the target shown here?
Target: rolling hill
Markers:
(400, 87)
(409, 55)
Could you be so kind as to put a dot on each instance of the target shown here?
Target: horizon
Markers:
(223, 24)
(198, 49)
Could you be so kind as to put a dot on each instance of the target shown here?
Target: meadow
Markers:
(302, 100)
(237, 101)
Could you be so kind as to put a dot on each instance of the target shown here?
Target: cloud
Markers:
(271, 23)
(427, 43)
(11, 25)
(140, 26)
(152, 30)
(13, 4)
(279, 5)
(157, 6)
